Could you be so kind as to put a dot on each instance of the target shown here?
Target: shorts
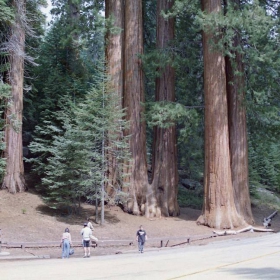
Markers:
(86, 243)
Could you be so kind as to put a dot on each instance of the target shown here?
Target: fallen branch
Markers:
(267, 220)
(234, 232)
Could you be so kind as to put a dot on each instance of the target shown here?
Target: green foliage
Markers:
(267, 198)
(61, 74)
(5, 93)
(184, 6)
(189, 198)
(6, 13)
(72, 123)
(66, 61)
(264, 164)
(165, 114)
(72, 162)
(184, 54)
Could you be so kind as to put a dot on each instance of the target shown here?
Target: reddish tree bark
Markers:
(238, 132)
(164, 165)
(14, 177)
(114, 59)
(137, 181)
(219, 209)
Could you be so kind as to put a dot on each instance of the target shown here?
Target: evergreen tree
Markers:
(76, 164)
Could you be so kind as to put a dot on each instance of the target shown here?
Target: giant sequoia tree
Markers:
(133, 99)
(219, 209)
(164, 166)
(238, 128)
(14, 176)
(114, 10)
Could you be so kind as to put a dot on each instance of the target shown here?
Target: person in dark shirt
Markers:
(141, 237)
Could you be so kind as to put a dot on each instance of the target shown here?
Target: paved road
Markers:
(254, 258)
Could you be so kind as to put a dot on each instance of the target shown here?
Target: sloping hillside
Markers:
(25, 217)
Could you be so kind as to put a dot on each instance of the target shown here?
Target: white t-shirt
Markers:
(66, 235)
(90, 225)
(86, 233)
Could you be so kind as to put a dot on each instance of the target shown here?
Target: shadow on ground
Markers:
(188, 214)
(256, 273)
(66, 216)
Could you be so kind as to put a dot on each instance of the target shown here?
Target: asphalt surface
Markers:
(252, 258)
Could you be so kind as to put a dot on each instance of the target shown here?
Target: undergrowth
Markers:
(189, 198)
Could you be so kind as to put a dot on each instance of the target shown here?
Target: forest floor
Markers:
(24, 217)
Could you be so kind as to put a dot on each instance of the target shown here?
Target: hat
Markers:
(85, 224)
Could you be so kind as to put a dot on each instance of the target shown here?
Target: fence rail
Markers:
(160, 241)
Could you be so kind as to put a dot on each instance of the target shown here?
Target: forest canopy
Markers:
(138, 103)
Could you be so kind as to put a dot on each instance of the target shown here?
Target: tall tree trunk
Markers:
(133, 97)
(164, 165)
(238, 132)
(74, 17)
(219, 209)
(114, 60)
(73, 9)
(14, 177)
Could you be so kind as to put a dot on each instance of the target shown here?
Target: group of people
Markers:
(86, 232)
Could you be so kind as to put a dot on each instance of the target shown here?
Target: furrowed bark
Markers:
(137, 181)
(219, 209)
(114, 9)
(164, 164)
(238, 132)
(14, 177)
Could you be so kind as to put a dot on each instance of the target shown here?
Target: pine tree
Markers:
(75, 166)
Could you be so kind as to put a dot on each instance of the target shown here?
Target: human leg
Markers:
(88, 251)
(86, 248)
(143, 243)
(140, 246)
(62, 246)
(66, 248)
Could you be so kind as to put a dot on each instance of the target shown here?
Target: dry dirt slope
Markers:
(25, 217)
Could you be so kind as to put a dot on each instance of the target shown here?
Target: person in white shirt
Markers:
(86, 232)
(90, 224)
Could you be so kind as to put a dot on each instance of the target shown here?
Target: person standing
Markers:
(141, 237)
(86, 232)
(66, 242)
(89, 224)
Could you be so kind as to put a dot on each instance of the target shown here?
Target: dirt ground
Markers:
(24, 217)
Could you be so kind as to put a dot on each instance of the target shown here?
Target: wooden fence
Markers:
(157, 242)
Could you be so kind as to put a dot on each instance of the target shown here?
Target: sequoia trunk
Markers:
(114, 60)
(14, 176)
(137, 180)
(164, 167)
(219, 209)
(238, 132)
